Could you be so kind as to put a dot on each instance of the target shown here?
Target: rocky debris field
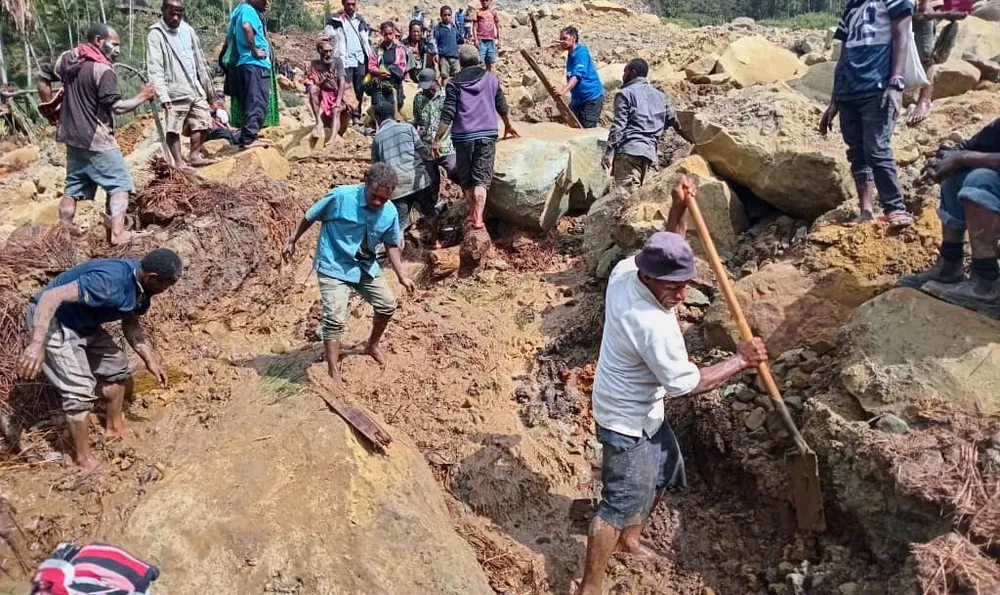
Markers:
(238, 470)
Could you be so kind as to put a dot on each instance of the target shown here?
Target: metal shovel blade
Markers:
(806, 493)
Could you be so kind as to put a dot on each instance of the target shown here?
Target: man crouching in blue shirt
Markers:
(868, 94)
(354, 221)
(69, 343)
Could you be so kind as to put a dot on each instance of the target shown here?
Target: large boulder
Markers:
(621, 222)
(702, 66)
(234, 169)
(954, 77)
(781, 158)
(816, 83)
(605, 6)
(910, 354)
(611, 76)
(319, 513)
(753, 59)
(784, 307)
(19, 158)
(721, 208)
(546, 172)
(976, 36)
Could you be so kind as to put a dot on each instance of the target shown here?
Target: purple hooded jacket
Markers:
(473, 100)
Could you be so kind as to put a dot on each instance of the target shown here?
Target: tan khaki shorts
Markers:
(629, 171)
(184, 117)
(335, 295)
(74, 363)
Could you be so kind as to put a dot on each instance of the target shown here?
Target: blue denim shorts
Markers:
(633, 470)
(88, 170)
(487, 51)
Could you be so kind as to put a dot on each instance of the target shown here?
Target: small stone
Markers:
(849, 589)
(777, 589)
(528, 79)
(823, 346)
(756, 419)
(707, 591)
(281, 346)
(791, 357)
(888, 422)
(696, 298)
(498, 264)
(739, 406)
(746, 395)
(794, 403)
(567, 291)
(995, 439)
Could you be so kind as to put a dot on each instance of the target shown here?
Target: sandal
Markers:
(898, 219)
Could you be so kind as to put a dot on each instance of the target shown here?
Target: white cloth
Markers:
(643, 357)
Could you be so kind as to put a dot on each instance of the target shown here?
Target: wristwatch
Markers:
(897, 83)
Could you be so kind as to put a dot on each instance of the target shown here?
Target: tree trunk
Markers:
(104, 17)
(69, 26)
(131, 27)
(45, 34)
(3, 64)
(27, 61)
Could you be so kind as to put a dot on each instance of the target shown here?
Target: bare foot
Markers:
(262, 144)
(637, 549)
(86, 465)
(317, 131)
(578, 588)
(121, 432)
(919, 113)
(121, 239)
(862, 217)
(338, 382)
(199, 161)
(376, 354)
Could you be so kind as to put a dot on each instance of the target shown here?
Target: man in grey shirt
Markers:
(399, 145)
(641, 114)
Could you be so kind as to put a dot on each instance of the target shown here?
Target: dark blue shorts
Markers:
(633, 470)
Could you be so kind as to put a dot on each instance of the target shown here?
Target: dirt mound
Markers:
(229, 239)
(328, 514)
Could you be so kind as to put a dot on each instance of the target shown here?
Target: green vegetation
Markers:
(36, 31)
(804, 14)
(809, 20)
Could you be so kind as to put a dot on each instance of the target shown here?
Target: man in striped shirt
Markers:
(868, 94)
(399, 145)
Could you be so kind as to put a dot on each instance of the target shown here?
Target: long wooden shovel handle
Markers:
(741, 321)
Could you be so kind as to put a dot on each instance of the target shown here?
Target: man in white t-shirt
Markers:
(643, 360)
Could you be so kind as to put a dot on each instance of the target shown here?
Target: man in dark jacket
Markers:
(970, 200)
(473, 100)
(90, 100)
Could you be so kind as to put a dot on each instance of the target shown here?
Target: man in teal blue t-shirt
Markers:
(582, 82)
(253, 71)
(354, 221)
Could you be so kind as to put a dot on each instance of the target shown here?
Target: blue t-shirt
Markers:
(244, 13)
(580, 65)
(865, 63)
(460, 19)
(446, 37)
(350, 232)
(109, 291)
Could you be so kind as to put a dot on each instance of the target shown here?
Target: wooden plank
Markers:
(356, 418)
(534, 29)
(568, 116)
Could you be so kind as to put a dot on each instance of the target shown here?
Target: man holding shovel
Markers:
(643, 359)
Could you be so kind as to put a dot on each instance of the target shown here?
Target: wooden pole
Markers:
(564, 110)
(534, 29)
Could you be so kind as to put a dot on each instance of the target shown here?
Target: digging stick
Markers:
(806, 492)
(534, 29)
(564, 110)
(154, 107)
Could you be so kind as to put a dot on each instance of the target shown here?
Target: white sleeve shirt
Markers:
(643, 357)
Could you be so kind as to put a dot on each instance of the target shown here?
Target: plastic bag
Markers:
(913, 71)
